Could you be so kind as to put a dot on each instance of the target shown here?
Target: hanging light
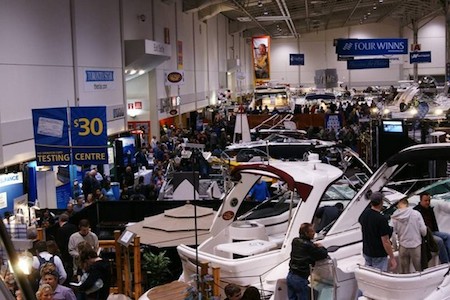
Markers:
(260, 4)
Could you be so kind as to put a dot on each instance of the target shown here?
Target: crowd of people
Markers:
(66, 266)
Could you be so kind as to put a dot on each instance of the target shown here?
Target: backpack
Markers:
(35, 275)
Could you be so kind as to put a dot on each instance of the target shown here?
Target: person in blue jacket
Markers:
(259, 192)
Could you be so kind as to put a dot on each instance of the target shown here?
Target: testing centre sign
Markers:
(82, 141)
(358, 47)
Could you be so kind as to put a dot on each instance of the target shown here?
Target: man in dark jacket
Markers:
(442, 239)
(62, 236)
(304, 254)
(97, 280)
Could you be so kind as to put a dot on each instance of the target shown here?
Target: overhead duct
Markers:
(213, 10)
(142, 56)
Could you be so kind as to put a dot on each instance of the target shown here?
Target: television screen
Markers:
(393, 126)
(129, 149)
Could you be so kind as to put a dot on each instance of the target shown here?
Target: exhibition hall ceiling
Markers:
(291, 18)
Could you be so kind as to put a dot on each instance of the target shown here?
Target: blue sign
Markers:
(51, 136)
(358, 64)
(92, 75)
(89, 136)
(11, 187)
(296, 59)
(357, 47)
(420, 57)
(333, 121)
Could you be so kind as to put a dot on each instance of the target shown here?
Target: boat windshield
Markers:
(341, 191)
(278, 204)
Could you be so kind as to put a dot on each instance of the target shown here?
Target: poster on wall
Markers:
(11, 187)
(261, 57)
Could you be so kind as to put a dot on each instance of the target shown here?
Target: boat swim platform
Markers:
(175, 290)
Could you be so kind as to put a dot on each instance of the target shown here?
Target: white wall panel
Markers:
(35, 32)
(18, 152)
(186, 36)
(222, 42)
(213, 44)
(25, 87)
(97, 26)
(137, 15)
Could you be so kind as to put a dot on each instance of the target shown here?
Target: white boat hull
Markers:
(378, 285)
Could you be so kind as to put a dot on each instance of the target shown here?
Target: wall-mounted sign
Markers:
(344, 58)
(416, 47)
(179, 55)
(356, 47)
(174, 77)
(420, 57)
(98, 80)
(357, 64)
(115, 112)
(11, 187)
(296, 59)
(173, 112)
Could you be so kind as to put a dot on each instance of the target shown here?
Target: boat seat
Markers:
(247, 230)
(277, 238)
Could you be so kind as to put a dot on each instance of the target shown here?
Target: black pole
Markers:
(13, 256)
(196, 235)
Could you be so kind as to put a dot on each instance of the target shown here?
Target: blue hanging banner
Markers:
(89, 135)
(51, 136)
(357, 47)
(296, 59)
(358, 64)
(420, 57)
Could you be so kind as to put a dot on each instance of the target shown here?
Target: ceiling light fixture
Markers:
(266, 13)
(260, 4)
(381, 1)
(132, 72)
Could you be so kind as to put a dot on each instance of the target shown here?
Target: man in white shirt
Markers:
(83, 235)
